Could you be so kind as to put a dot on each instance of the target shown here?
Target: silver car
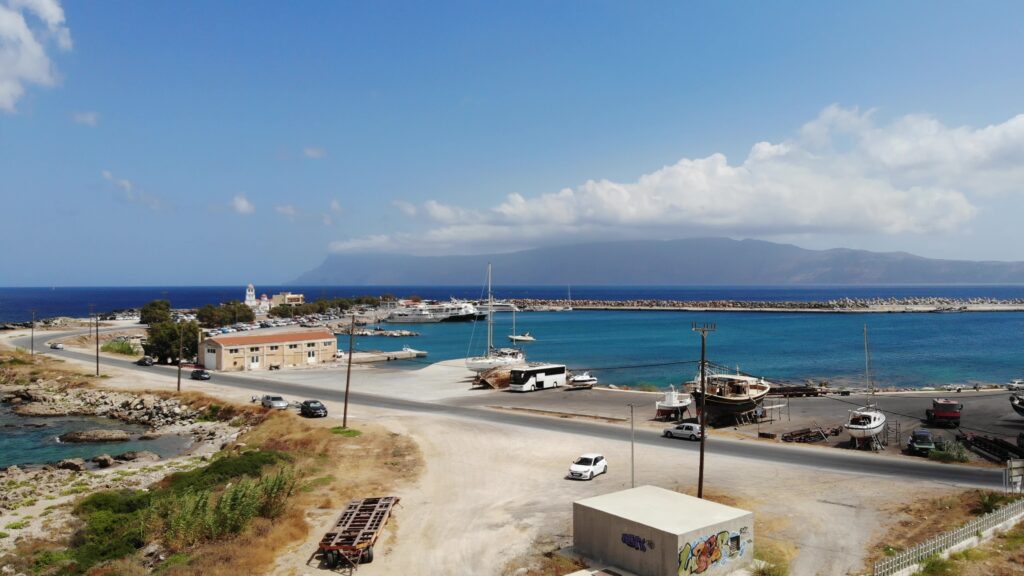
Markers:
(271, 401)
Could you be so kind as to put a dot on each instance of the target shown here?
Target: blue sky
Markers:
(219, 143)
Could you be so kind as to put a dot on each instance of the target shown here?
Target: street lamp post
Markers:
(348, 371)
(703, 330)
(632, 448)
(181, 346)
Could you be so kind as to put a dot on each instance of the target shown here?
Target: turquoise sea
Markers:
(625, 347)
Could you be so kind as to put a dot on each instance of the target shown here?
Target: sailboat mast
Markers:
(490, 312)
(867, 362)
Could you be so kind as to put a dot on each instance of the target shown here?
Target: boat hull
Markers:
(1017, 403)
(721, 407)
(485, 363)
(861, 433)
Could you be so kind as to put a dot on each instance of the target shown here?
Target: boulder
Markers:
(104, 460)
(96, 436)
(76, 464)
(137, 456)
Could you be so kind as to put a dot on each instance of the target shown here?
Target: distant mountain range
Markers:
(691, 261)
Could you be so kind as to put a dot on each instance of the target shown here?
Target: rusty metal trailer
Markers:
(350, 542)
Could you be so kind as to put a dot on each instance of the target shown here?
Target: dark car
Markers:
(145, 361)
(313, 409)
(200, 375)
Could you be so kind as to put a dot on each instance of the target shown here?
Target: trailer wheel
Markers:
(331, 558)
(367, 556)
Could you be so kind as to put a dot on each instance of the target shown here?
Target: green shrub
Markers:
(989, 502)
(3, 535)
(16, 525)
(119, 347)
(954, 452)
(937, 566)
(274, 492)
(347, 432)
(46, 558)
(225, 469)
(107, 536)
(116, 501)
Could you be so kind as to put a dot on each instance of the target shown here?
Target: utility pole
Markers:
(348, 372)
(32, 338)
(632, 452)
(703, 329)
(97, 338)
(181, 346)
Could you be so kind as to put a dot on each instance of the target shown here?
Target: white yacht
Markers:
(583, 379)
(673, 404)
(524, 337)
(432, 311)
(869, 421)
(495, 357)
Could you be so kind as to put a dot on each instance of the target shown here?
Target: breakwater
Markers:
(917, 304)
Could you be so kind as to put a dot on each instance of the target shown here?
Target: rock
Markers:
(76, 464)
(150, 435)
(37, 409)
(13, 470)
(104, 460)
(96, 436)
(139, 455)
(153, 554)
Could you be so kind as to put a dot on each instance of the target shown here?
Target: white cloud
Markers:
(26, 28)
(287, 211)
(327, 220)
(844, 173)
(130, 193)
(241, 205)
(405, 207)
(314, 152)
(87, 118)
(335, 206)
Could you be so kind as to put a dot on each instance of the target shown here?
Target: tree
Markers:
(155, 312)
(225, 314)
(164, 338)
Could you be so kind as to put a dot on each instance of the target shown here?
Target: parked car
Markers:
(1015, 385)
(145, 361)
(271, 401)
(690, 431)
(200, 375)
(313, 409)
(587, 466)
(57, 346)
(920, 442)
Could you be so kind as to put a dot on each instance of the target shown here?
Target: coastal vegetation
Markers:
(166, 338)
(155, 312)
(233, 312)
(323, 306)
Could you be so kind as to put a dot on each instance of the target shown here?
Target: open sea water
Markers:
(658, 348)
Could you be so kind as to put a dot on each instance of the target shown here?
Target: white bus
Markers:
(537, 378)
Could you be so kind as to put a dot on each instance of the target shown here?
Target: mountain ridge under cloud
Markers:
(690, 261)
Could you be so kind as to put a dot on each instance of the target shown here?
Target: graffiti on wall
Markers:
(637, 542)
(709, 551)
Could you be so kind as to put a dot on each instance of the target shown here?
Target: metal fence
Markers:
(911, 558)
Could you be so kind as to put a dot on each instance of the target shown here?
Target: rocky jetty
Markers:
(96, 436)
(917, 304)
(50, 399)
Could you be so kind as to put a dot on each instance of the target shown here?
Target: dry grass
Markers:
(548, 564)
(344, 468)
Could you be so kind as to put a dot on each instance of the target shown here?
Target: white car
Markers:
(1015, 385)
(587, 466)
(271, 401)
(690, 431)
(57, 346)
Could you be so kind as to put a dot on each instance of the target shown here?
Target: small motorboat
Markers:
(524, 337)
(417, 353)
(583, 379)
(1017, 402)
(672, 405)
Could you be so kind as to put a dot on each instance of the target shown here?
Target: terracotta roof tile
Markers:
(279, 337)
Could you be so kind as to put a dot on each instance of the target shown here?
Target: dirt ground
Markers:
(492, 494)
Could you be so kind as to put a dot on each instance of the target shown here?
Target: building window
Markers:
(311, 354)
(255, 359)
(233, 350)
(211, 350)
(293, 346)
(734, 545)
(274, 347)
(310, 344)
(254, 349)
(328, 343)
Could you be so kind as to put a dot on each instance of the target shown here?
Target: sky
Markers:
(212, 142)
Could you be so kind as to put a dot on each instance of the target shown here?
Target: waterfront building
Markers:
(261, 306)
(287, 298)
(238, 352)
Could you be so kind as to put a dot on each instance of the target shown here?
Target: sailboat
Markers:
(524, 337)
(869, 421)
(567, 307)
(494, 357)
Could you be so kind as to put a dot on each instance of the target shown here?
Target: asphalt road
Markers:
(808, 457)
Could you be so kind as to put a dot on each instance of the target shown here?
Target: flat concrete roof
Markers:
(663, 509)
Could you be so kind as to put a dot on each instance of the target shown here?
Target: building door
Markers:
(311, 357)
(254, 362)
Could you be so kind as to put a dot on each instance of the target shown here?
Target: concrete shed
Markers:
(656, 532)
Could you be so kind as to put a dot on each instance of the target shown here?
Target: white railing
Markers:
(971, 533)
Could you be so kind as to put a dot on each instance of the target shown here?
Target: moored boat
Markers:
(1017, 402)
(869, 421)
(583, 379)
(494, 357)
(730, 395)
